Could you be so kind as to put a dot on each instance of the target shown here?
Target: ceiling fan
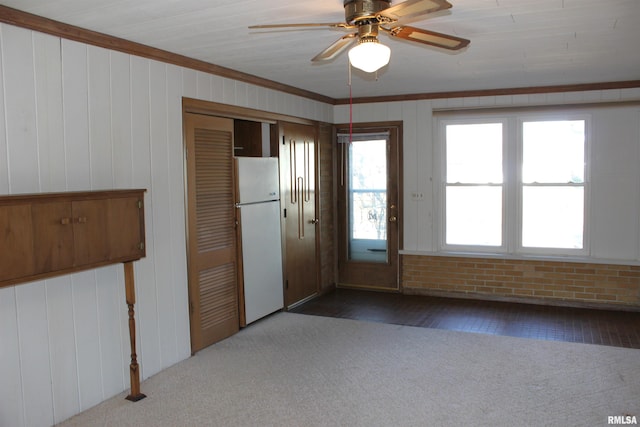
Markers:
(370, 17)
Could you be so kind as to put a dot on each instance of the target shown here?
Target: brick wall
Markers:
(569, 282)
(326, 214)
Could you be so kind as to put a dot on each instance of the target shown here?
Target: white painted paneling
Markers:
(34, 353)
(614, 177)
(109, 310)
(19, 87)
(4, 153)
(100, 148)
(262, 100)
(217, 84)
(176, 206)
(228, 91)
(48, 76)
(425, 205)
(121, 120)
(76, 116)
(4, 149)
(85, 316)
(241, 99)
(204, 88)
(253, 97)
(62, 345)
(160, 176)
(189, 83)
(12, 404)
(80, 117)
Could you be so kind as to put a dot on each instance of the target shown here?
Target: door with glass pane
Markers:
(369, 207)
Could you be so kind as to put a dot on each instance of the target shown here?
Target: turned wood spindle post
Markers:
(134, 372)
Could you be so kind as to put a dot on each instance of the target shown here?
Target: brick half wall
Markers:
(550, 282)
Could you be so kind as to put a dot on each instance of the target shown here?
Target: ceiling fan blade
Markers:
(336, 48)
(431, 38)
(412, 8)
(321, 24)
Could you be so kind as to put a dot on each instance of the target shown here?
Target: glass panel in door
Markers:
(367, 200)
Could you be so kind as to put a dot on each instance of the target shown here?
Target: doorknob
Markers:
(314, 221)
(393, 219)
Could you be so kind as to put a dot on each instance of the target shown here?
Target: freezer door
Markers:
(258, 179)
(261, 259)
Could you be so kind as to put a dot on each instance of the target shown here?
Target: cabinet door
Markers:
(90, 231)
(16, 242)
(126, 236)
(52, 236)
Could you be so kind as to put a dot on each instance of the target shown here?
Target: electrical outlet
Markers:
(417, 197)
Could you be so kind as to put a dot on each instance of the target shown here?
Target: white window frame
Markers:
(547, 117)
(442, 188)
(512, 206)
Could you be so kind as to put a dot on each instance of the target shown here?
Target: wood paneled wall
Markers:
(79, 117)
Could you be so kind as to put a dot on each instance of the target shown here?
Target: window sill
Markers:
(522, 257)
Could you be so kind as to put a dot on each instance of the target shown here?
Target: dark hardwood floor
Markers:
(592, 326)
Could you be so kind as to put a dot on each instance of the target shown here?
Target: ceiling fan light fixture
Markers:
(369, 55)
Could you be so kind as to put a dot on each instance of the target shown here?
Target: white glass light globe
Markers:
(369, 56)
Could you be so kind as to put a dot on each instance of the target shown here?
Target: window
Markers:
(553, 184)
(366, 172)
(367, 192)
(474, 190)
(514, 184)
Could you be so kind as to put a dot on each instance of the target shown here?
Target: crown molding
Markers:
(44, 25)
(493, 92)
(49, 26)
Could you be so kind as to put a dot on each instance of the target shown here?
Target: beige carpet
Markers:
(297, 370)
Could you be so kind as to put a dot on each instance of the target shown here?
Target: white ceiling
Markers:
(514, 43)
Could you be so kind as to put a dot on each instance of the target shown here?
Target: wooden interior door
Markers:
(298, 200)
(212, 264)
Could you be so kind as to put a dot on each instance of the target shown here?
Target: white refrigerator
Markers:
(259, 220)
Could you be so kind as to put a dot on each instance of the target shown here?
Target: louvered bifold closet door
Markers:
(212, 245)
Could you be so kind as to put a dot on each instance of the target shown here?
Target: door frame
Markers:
(369, 127)
(209, 108)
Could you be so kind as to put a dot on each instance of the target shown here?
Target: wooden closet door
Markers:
(212, 264)
(298, 200)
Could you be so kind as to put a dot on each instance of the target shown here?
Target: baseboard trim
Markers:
(302, 301)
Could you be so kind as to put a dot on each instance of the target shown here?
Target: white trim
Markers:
(586, 230)
(441, 185)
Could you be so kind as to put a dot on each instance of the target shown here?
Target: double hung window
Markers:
(515, 184)
(474, 184)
